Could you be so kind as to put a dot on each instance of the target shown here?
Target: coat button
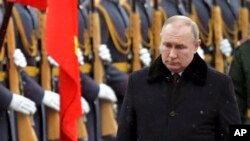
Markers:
(172, 113)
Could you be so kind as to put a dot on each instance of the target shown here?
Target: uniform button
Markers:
(172, 113)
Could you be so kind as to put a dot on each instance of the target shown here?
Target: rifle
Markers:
(24, 124)
(52, 115)
(243, 20)
(217, 32)
(108, 121)
(135, 31)
(156, 27)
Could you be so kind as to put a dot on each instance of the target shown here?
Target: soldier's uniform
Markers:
(240, 74)
(169, 8)
(27, 35)
(7, 117)
(6, 95)
(5, 122)
(230, 14)
(89, 87)
(202, 9)
(116, 37)
(114, 25)
(202, 12)
(117, 15)
(145, 13)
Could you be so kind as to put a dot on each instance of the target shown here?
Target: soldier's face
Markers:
(177, 47)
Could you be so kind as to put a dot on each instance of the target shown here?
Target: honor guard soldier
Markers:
(90, 89)
(98, 55)
(207, 15)
(145, 12)
(27, 40)
(115, 26)
(89, 86)
(114, 30)
(118, 34)
(230, 28)
(140, 13)
(11, 100)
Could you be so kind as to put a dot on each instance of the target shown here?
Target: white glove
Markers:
(104, 53)
(85, 105)
(226, 47)
(200, 51)
(52, 61)
(52, 100)
(19, 58)
(22, 104)
(80, 56)
(107, 93)
(145, 56)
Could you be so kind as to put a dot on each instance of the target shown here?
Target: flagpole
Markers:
(6, 18)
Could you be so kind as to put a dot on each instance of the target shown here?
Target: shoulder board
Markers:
(242, 41)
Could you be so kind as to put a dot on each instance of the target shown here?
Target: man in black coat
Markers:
(199, 105)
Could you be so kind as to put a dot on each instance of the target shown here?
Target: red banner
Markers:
(40, 4)
(61, 32)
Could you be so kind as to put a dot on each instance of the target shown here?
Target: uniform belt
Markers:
(31, 71)
(2, 76)
(122, 66)
(85, 68)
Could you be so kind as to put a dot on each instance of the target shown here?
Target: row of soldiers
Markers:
(115, 38)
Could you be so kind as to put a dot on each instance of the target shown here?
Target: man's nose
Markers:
(173, 53)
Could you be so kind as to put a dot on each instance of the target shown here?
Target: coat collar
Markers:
(195, 72)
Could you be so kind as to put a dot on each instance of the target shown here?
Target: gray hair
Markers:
(186, 21)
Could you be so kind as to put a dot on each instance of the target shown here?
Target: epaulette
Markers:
(242, 41)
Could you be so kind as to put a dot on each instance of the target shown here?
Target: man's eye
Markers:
(180, 47)
(168, 45)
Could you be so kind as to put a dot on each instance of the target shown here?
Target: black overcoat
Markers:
(200, 108)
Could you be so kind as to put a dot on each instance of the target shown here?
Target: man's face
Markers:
(177, 47)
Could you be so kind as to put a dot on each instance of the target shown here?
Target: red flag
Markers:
(40, 4)
(61, 32)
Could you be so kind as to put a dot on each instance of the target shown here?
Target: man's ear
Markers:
(197, 45)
